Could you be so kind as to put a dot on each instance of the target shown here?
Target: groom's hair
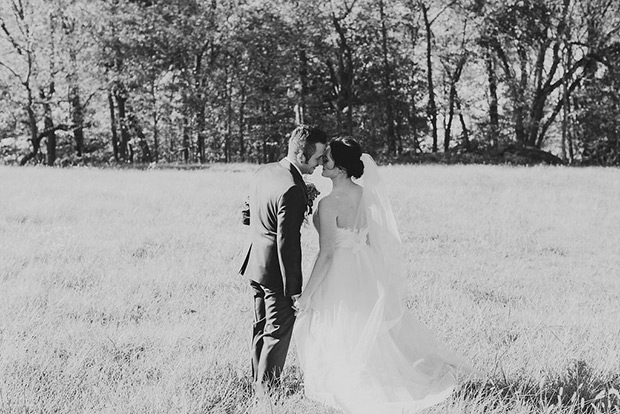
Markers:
(304, 139)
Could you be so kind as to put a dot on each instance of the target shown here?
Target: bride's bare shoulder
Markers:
(328, 202)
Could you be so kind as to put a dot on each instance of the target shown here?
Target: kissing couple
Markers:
(359, 348)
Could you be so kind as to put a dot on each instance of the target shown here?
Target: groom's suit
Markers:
(273, 263)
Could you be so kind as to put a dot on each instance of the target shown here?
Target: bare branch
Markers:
(10, 37)
(607, 7)
(12, 72)
(611, 34)
(347, 10)
(93, 94)
(20, 16)
(19, 11)
(441, 12)
(555, 112)
(27, 82)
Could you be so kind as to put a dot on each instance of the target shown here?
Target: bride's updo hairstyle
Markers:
(347, 154)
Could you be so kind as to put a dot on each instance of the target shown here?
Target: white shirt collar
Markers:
(293, 164)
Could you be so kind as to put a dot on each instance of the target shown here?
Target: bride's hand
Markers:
(297, 304)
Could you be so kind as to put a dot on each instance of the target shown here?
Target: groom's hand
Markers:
(295, 305)
(245, 214)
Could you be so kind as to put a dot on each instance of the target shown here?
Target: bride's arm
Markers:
(327, 243)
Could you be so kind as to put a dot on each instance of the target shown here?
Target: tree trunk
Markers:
(51, 141)
(115, 143)
(201, 110)
(565, 102)
(303, 80)
(134, 124)
(387, 84)
(432, 107)
(185, 140)
(516, 87)
(452, 97)
(568, 61)
(466, 143)
(447, 124)
(519, 97)
(571, 152)
(229, 115)
(155, 123)
(125, 152)
(32, 126)
(335, 86)
(49, 131)
(77, 112)
(266, 115)
(200, 139)
(564, 125)
(155, 140)
(77, 117)
(493, 101)
(536, 115)
(398, 127)
(171, 140)
(344, 80)
(242, 124)
(448, 127)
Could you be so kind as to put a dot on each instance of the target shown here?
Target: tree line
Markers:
(143, 81)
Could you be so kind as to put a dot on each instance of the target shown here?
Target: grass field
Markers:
(119, 292)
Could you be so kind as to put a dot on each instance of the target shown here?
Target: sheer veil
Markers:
(376, 199)
(376, 215)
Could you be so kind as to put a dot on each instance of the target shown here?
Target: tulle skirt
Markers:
(361, 351)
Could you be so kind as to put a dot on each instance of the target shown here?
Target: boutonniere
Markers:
(311, 194)
(245, 213)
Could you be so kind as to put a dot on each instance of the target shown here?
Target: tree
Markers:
(527, 38)
(387, 84)
(19, 60)
(342, 71)
(204, 81)
(432, 106)
(456, 45)
(594, 107)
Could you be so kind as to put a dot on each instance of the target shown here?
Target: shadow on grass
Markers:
(579, 390)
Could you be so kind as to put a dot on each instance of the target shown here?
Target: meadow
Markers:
(119, 290)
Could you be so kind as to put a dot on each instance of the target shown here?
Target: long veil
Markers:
(376, 200)
(377, 216)
(384, 239)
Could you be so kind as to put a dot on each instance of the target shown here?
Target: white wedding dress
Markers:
(359, 349)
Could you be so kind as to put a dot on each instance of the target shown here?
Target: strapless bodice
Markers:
(351, 239)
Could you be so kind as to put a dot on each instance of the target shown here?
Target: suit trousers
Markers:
(274, 318)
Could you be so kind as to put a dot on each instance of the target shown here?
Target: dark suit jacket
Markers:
(277, 208)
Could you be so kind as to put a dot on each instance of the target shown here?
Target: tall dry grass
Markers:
(119, 293)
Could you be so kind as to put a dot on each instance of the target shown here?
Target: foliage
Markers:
(128, 81)
(598, 115)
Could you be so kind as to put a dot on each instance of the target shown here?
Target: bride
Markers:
(359, 349)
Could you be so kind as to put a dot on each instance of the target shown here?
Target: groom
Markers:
(278, 204)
